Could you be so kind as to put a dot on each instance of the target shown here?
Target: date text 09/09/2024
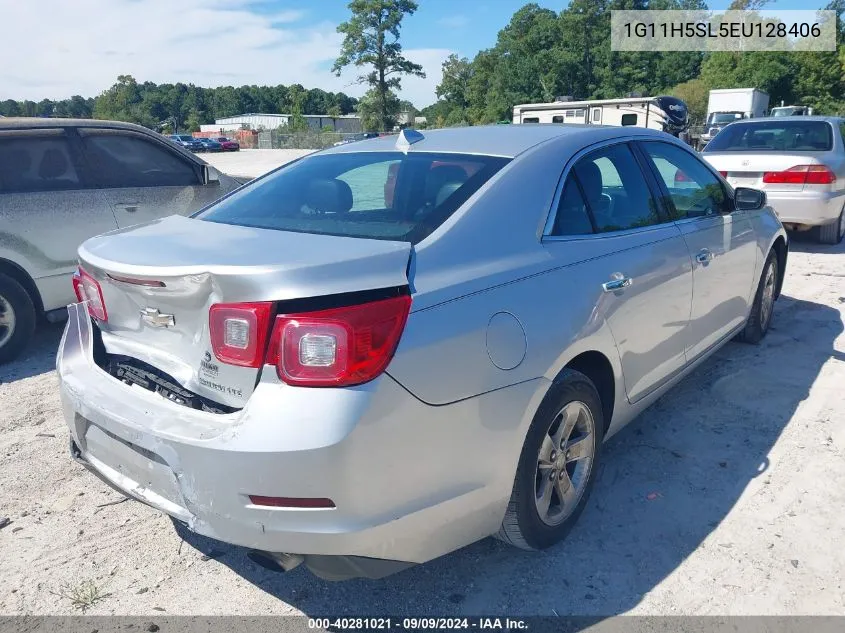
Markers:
(722, 30)
(418, 624)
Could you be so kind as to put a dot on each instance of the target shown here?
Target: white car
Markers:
(63, 181)
(799, 161)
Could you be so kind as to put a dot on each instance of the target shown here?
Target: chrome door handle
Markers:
(617, 284)
(704, 256)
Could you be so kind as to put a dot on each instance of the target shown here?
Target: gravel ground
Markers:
(725, 498)
(251, 163)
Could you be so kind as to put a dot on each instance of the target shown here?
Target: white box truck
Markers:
(731, 104)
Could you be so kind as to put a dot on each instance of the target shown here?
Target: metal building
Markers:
(252, 121)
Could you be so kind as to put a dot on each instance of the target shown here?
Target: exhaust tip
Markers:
(278, 562)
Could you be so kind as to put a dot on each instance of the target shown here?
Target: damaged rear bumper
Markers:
(379, 454)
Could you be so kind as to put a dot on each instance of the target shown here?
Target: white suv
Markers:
(63, 181)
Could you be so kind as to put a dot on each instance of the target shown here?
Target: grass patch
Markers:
(82, 596)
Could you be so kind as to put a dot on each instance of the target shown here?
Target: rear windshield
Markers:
(374, 195)
(774, 136)
(725, 117)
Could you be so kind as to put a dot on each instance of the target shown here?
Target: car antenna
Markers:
(407, 138)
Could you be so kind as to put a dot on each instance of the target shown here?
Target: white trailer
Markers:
(660, 113)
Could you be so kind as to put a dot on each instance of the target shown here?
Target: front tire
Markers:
(557, 466)
(832, 233)
(764, 303)
(17, 318)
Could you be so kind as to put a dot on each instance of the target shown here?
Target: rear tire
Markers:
(557, 466)
(832, 233)
(17, 318)
(764, 303)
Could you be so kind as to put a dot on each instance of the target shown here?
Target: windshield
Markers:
(375, 195)
(774, 136)
(785, 111)
(725, 117)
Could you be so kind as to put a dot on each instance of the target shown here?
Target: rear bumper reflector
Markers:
(291, 502)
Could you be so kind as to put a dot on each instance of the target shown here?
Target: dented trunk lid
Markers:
(192, 264)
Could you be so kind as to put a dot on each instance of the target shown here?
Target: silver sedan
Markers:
(799, 161)
(390, 349)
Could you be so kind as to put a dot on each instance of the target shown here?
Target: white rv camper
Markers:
(660, 113)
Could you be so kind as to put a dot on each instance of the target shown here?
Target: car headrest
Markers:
(589, 175)
(53, 164)
(329, 196)
(441, 176)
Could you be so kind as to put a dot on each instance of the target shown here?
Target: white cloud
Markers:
(58, 49)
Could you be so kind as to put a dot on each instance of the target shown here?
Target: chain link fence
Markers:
(309, 139)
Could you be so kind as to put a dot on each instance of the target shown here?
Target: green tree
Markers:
(695, 94)
(297, 122)
(372, 107)
(371, 38)
(454, 87)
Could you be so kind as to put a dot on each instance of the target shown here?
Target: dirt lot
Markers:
(725, 497)
(251, 163)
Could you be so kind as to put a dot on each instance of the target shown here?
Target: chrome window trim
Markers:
(606, 234)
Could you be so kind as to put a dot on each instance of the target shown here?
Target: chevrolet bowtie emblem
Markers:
(154, 318)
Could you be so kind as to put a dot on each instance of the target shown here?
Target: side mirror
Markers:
(746, 199)
(210, 175)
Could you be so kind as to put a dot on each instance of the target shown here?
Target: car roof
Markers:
(27, 123)
(495, 140)
(829, 119)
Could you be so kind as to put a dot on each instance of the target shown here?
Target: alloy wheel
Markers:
(7, 321)
(564, 463)
(768, 299)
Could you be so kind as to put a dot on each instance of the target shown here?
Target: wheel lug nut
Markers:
(562, 473)
(553, 456)
(553, 475)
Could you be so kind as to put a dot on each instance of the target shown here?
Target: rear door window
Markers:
(119, 159)
(375, 195)
(38, 161)
(615, 190)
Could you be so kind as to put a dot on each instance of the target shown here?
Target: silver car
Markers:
(799, 161)
(63, 181)
(390, 349)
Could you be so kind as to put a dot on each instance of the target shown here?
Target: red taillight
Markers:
(338, 347)
(801, 175)
(724, 173)
(239, 332)
(681, 177)
(88, 290)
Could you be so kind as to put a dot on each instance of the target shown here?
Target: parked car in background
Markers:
(361, 136)
(307, 369)
(793, 110)
(209, 144)
(63, 181)
(798, 161)
(188, 142)
(228, 144)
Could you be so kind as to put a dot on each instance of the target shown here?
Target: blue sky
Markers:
(465, 26)
(81, 47)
